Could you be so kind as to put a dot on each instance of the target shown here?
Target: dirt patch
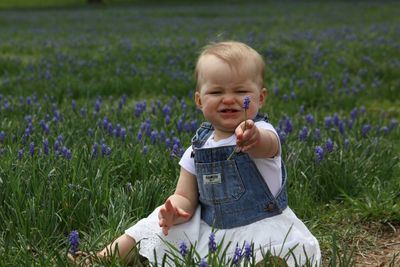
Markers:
(382, 247)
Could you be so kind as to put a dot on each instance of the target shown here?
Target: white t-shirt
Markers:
(270, 168)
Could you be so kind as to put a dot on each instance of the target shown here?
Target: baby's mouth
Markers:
(228, 110)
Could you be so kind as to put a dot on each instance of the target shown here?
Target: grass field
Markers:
(96, 108)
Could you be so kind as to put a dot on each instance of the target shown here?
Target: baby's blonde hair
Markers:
(234, 54)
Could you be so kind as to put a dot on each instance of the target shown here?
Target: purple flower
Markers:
(73, 104)
(212, 245)
(365, 129)
(310, 119)
(139, 136)
(328, 121)
(248, 251)
(354, 114)
(319, 153)
(145, 149)
(317, 134)
(341, 127)
(183, 249)
(95, 149)
(2, 135)
(153, 136)
(20, 153)
(83, 112)
(303, 133)
(73, 242)
(97, 105)
(103, 149)
(301, 109)
(32, 149)
(66, 153)
(282, 136)
(385, 130)
(246, 102)
(203, 263)
(329, 145)
(288, 126)
(238, 256)
(45, 146)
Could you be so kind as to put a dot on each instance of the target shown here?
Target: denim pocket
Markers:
(219, 182)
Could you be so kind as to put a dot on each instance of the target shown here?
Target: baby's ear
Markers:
(197, 99)
(263, 96)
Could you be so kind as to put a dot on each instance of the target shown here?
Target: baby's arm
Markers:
(258, 143)
(180, 206)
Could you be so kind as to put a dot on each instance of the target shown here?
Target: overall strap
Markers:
(202, 135)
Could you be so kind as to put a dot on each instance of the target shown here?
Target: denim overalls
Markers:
(232, 192)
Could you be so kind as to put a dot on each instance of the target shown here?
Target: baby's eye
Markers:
(214, 92)
(242, 91)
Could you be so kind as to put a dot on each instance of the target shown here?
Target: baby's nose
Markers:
(228, 99)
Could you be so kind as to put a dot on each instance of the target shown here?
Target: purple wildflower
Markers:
(341, 128)
(354, 114)
(310, 119)
(153, 136)
(203, 263)
(145, 149)
(385, 130)
(246, 102)
(103, 149)
(328, 121)
(238, 256)
(20, 153)
(319, 153)
(66, 153)
(183, 249)
(329, 145)
(95, 149)
(301, 109)
(139, 136)
(2, 136)
(365, 129)
(212, 245)
(45, 146)
(288, 126)
(303, 133)
(167, 119)
(317, 134)
(248, 251)
(83, 112)
(73, 104)
(282, 136)
(73, 242)
(32, 149)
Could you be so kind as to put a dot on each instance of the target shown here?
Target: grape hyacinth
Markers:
(319, 153)
(238, 256)
(246, 104)
(329, 145)
(183, 249)
(74, 242)
(203, 263)
(212, 245)
(248, 251)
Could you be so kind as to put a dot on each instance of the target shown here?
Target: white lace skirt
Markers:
(283, 235)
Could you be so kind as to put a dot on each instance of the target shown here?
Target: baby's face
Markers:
(221, 92)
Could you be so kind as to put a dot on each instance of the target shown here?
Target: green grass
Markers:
(323, 59)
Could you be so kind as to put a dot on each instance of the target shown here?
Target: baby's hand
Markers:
(247, 135)
(167, 215)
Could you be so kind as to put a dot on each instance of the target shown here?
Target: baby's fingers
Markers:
(182, 213)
